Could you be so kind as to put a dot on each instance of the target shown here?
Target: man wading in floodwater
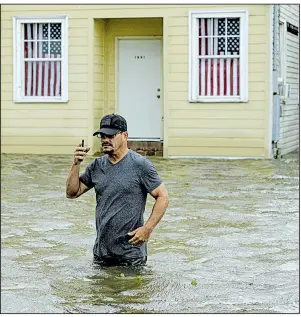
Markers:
(121, 179)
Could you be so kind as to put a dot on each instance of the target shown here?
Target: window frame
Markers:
(18, 58)
(193, 73)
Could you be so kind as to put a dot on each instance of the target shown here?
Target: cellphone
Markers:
(83, 143)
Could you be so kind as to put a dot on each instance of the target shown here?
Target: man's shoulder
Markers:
(99, 161)
(137, 158)
(140, 161)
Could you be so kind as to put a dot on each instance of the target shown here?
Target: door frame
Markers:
(117, 39)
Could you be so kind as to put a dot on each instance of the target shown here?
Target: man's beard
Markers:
(107, 151)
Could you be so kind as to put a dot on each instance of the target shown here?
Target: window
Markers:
(40, 59)
(218, 61)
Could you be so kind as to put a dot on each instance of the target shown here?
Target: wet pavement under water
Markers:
(228, 243)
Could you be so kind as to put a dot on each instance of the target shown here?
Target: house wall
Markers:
(45, 128)
(205, 129)
(219, 129)
(289, 119)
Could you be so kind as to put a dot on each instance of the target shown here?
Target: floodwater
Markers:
(228, 243)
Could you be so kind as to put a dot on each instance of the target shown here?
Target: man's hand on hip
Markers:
(140, 235)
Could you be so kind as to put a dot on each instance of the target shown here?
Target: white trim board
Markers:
(193, 74)
(18, 49)
(271, 99)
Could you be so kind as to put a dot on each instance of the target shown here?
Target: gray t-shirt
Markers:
(121, 191)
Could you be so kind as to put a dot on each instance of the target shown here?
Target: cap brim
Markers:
(108, 131)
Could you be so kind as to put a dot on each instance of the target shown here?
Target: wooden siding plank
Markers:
(78, 41)
(81, 32)
(45, 123)
(215, 151)
(215, 142)
(213, 114)
(75, 69)
(250, 106)
(43, 113)
(216, 123)
(177, 68)
(41, 149)
(177, 30)
(257, 38)
(43, 132)
(216, 133)
(177, 40)
(178, 59)
(41, 140)
(78, 59)
(183, 96)
(256, 49)
(257, 58)
(257, 67)
(178, 21)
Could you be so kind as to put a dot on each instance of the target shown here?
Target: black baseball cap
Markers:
(112, 124)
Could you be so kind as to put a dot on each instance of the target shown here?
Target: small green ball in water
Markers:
(122, 275)
(194, 282)
(139, 277)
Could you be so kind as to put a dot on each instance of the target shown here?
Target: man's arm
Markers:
(74, 187)
(142, 234)
(161, 204)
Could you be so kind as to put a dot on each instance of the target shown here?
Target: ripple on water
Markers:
(232, 226)
(39, 244)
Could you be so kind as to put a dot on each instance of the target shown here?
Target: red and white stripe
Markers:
(42, 78)
(218, 76)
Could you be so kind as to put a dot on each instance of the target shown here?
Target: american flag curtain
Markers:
(219, 74)
(42, 77)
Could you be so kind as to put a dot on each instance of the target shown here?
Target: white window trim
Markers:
(17, 49)
(193, 60)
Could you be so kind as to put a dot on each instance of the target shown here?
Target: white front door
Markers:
(139, 87)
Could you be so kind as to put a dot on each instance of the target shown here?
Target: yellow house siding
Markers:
(224, 125)
(232, 129)
(215, 151)
(45, 128)
(114, 11)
